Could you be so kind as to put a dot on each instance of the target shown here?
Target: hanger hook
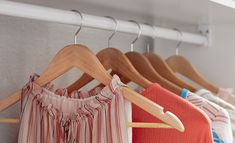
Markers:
(115, 29)
(80, 27)
(154, 28)
(180, 41)
(139, 33)
(148, 48)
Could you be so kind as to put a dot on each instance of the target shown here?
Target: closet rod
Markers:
(68, 17)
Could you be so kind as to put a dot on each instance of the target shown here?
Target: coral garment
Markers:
(196, 123)
(219, 116)
(50, 118)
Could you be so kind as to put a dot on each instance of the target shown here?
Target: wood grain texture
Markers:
(131, 125)
(114, 59)
(144, 67)
(165, 71)
(181, 65)
(81, 57)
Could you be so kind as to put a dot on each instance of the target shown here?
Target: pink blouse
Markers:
(50, 117)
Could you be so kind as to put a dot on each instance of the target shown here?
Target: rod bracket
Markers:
(206, 31)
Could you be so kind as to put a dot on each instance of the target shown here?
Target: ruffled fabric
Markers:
(52, 115)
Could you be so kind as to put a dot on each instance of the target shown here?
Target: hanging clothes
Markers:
(227, 95)
(211, 97)
(84, 94)
(219, 116)
(216, 137)
(77, 118)
(197, 125)
(227, 106)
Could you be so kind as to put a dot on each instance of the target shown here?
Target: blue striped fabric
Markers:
(216, 138)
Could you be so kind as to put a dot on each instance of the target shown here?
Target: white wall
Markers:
(27, 46)
(217, 62)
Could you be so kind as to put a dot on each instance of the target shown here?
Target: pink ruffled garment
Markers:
(52, 117)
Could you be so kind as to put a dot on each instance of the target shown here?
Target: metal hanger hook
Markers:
(180, 41)
(139, 33)
(154, 36)
(115, 29)
(80, 27)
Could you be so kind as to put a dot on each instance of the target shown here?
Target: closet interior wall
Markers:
(27, 46)
(216, 62)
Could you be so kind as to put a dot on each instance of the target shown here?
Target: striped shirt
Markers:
(211, 97)
(219, 116)
(229, 107)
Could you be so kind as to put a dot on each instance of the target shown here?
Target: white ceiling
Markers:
(220, 15)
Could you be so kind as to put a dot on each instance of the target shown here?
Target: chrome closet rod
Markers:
(68, 17)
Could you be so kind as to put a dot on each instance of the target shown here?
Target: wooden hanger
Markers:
(81, 57)
(144, 67)
(165, 71)
(114, 59)
(181, 65)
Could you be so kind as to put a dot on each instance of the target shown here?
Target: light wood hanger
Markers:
(81, 57)
(181, 65)
(144, 67)
(133, 125)
(165, 71)
(59, 65)
(114, 59)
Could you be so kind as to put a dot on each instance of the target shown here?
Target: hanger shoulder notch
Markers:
(154, 109)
